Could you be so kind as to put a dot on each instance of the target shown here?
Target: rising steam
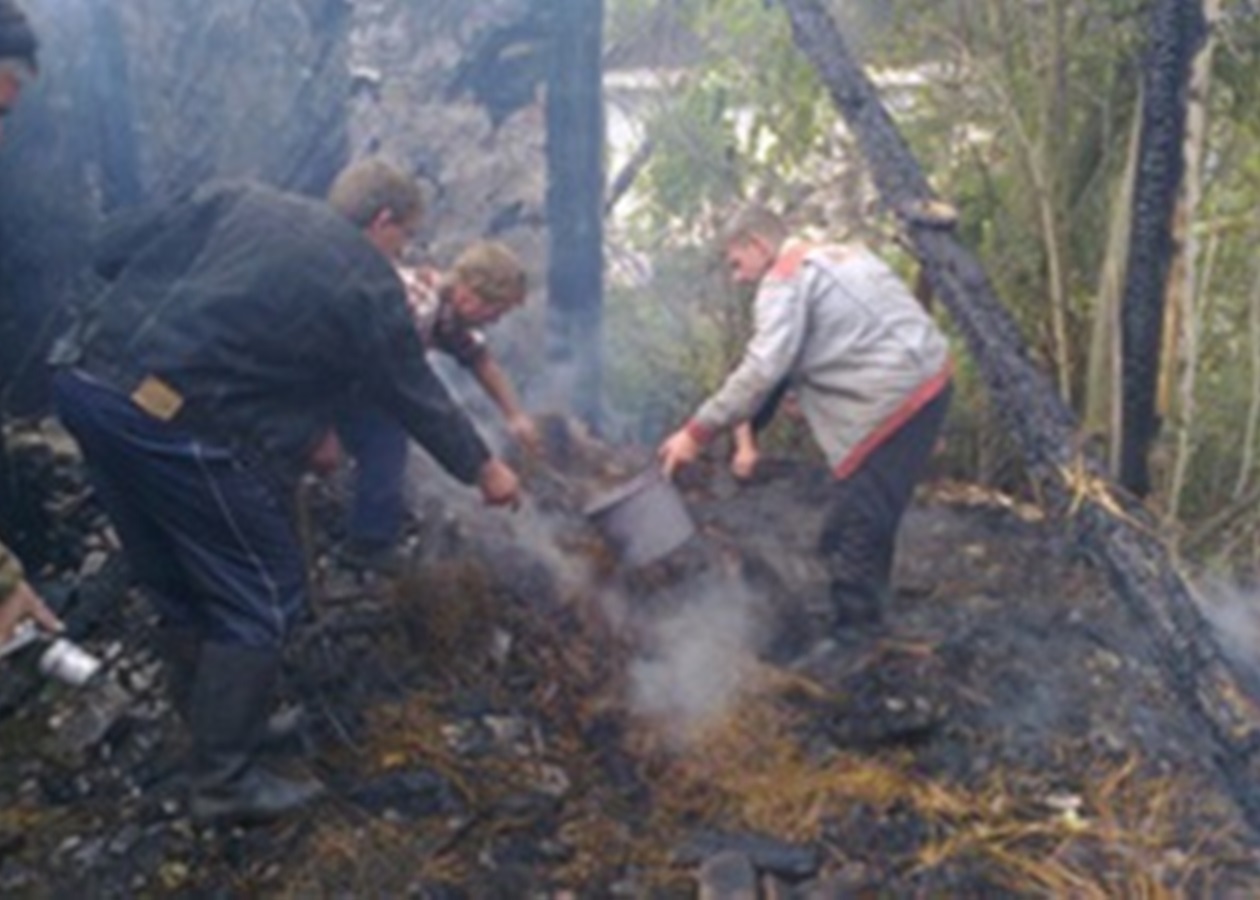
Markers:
(696, 661)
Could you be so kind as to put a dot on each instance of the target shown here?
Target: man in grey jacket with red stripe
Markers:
(871, 373)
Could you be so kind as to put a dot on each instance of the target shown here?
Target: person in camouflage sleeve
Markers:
(18, 46)
(18, 600)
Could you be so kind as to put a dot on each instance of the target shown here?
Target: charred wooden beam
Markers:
(1113, 527)
(1177, 29)
(575, 193)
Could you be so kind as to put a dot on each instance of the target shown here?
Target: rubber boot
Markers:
(227, 714)
(180, 649)
(858, 606)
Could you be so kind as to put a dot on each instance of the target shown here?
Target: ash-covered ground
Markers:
(521, 717)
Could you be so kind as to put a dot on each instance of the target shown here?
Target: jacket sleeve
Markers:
(780, 314)
(10, 573)
(400, 379)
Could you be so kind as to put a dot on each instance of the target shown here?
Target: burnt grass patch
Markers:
(517, 717)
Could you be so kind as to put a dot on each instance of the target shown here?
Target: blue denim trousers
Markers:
(378, 446)
(209, 536)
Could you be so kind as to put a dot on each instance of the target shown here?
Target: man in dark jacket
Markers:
(236, 323)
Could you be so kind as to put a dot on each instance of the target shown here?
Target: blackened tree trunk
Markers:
(1115, 529)
(1177, 29)
(109, 123)
(575, 190)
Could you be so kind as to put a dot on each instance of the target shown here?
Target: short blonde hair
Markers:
(493, 272)
(368, 186)
(752, 221)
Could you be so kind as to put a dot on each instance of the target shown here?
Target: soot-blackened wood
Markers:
(575, 198)
(1177, 28)
(1114, 528)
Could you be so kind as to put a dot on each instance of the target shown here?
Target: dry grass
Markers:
(1123, 834)
(372, 858)
(1121, 837)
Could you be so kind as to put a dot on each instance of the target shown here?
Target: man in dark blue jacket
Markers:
(236, 323)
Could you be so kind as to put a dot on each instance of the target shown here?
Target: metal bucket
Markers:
(643, 519)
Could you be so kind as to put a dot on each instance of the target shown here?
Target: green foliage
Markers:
(691, 169)
(1021, 117)
(663, 351)
(751, 110)
(1025, 119)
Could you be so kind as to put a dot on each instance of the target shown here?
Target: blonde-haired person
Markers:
(486, 282)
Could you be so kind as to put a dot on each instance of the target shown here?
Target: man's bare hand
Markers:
(744, 459)
(744, 462)
(24, 603)
(525, 433)
(499, 484)
(677, 450)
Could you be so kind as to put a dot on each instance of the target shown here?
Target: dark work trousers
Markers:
(378, 446)
(209, 536)
(860, 531)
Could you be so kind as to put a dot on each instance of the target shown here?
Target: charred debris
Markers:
(518, 715)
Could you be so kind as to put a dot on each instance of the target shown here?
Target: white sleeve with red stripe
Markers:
(780, 317)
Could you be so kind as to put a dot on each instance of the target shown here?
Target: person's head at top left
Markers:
(382, 200)
(18, 59)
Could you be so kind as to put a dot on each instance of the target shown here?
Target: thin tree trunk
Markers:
(1102, 390)
(1117, 531)
(1185, 287)
(1039, 158)
(1192, 314)
(1052, 163)
(575, 201)
(1253, 404)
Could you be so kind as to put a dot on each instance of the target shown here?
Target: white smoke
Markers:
(530, 528)
(1234, 613)
(540, 533)
(697, 659)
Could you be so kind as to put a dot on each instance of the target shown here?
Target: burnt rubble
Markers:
(519, 716)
